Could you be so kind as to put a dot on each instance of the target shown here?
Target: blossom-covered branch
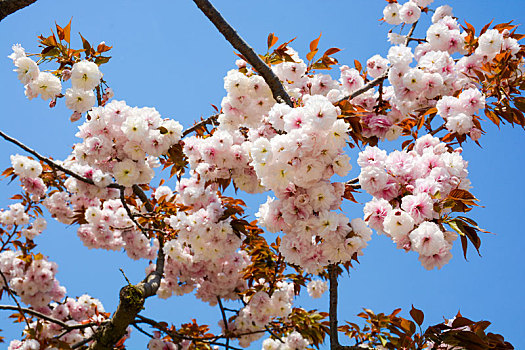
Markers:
(49, 162)
(380, 78)
(42, 316)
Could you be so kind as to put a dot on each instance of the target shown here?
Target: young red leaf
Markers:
(272, 40)
(67, 31)
(313, 44)
(417, 315)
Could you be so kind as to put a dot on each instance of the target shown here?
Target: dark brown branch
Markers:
(8, 7)
(442, 127)
(367, 86)
(279, 94)
(130, 214)
(132, 299)
(225, 320)
(138, 191)
(82, 342)
(51, 163)
(11, 294)
(334, 335)
(48, 318)
(137, 327)
(276, 336)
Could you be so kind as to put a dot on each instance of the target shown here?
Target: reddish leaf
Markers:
(417, 315)
(67, 31)
(358, 65)
(310, 55)
(314, 43)
(60, 32)
(485, 27)
(272, 40)
(85, 44)
(102, 47)
(331, 51)
(492, 116)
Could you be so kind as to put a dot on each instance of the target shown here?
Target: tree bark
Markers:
(131, 302)
(8, 7)
(279, 94)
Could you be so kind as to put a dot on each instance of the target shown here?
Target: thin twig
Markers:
(225, 321)
(130, 214)
(175, 335)
(442, 127)
(8, 240)
(210, 120)
(48, 318)
(141, 330)
(11, 294)
(276, 336)
(279, 94)
(51, 163)
(82, 342)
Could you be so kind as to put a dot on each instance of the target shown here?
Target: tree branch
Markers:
(18, 307)
(138, 191)
(334, 335)
(225, 320)
(51, 163)
(175, 335)
(8, 7)
(132, 299)
(48, 318)
(210, 120)
(279, 94)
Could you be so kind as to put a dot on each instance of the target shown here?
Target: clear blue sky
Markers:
(166, 54)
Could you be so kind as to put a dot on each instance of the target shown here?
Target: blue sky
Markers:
(168, 56)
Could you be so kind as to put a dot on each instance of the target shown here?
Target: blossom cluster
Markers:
(16, 215)
(297, 165)
(292, 341)
(408, 13)
(33, 282)
(224, 155)
(408, 188)
(205, 253)
(71, 311)
(125, 141)
(437, 76)
(260, 309)
(109, 227)
(84, 75)
(35, 82)
(316, 288)
(29, 171)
